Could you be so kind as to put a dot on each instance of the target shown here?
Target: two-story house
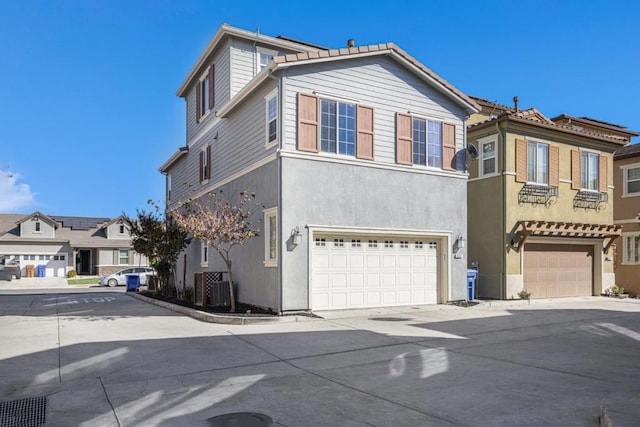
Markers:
(356, 154)
(626, 178)
(90, 246)
(540, 203)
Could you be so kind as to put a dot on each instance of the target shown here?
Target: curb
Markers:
(218, 318)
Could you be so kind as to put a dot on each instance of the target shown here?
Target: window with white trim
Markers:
(37, 226)
(272, 118)
(264, 57)
(123, 256)
(271, 237)
(631, 249)
(538, 162)
(205, 81)
(631, 179)
(204, 254)
(589, 170)
(337, 127)
(121, 229)
(489, 158)
(427, 142)
(168, 186)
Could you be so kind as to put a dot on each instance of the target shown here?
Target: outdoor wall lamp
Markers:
(460, 241)
(296, 236)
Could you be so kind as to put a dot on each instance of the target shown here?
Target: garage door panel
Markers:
(356, 261)
(552, 270)
(375, 272)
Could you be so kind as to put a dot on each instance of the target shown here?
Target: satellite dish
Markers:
(473, 151)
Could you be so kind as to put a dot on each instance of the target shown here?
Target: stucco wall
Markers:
(331, 194)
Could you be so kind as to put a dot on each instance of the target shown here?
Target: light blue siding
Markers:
(222, 94)
(377, 82)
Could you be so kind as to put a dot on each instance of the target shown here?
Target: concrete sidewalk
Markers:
(107, 359)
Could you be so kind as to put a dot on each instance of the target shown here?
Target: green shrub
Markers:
(523, 294)
(71, 273)
(187, 294)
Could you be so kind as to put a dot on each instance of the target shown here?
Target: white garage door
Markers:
(372, 271)
(56, 265)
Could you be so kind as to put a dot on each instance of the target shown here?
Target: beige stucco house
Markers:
(540, 196)
(90, 246)
(626, 179)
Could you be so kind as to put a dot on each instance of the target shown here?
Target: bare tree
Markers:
(222, 225)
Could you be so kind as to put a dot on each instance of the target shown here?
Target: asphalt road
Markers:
(103, 358)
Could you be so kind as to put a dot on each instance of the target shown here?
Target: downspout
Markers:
(280, 97)
(503, 212)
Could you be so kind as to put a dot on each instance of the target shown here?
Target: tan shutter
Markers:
(201, 171)
(404, 139)
(130, 261)
(116, 259)
(212, 92)
(448, 146)
(554, 166)
(208, 162)
(575, 170)
(602, 174)
(364, 138)
(198, 102)
(521, 160)
(307, 122)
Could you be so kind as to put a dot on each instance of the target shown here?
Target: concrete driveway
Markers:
(107, 359)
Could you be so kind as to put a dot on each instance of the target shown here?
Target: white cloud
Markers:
(13, 196)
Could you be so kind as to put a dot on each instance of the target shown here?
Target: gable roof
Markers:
(227, 30)
(39, 215)
(331, 55)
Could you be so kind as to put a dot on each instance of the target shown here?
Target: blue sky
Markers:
(88, 110)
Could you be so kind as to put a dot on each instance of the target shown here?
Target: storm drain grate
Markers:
(29, 412)
(390, 319)
(244, 419)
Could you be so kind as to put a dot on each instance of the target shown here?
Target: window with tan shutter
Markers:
(589, 169)
(603, 172)
(364, 139)
(575, 170)
(537, 162)
(307, 122)
(448, 146)
(521, 160)
(554, 166)
(404, 139)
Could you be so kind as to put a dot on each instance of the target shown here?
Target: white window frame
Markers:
(625, 249)
(259, 52)
(206, 173)
(121, 229)
(481, 142)
(267, 100)
(270, 237)
(338, 101)
(37, 227)
(426, 119)
(204, 254)
(168, 195)
(588, 153)
(625, 171)
(538, 143)
(204, 94)
(120, 251)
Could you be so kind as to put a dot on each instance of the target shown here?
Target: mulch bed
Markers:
(242, 309)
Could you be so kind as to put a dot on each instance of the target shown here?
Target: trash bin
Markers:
(30, 269)
(133, 281)
(472, 277)
(41, 270)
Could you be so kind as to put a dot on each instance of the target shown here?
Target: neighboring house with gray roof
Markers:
(90, 246)
(356, 156)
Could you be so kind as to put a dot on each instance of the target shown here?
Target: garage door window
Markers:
(632, 249)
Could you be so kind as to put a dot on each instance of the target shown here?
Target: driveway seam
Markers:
(106, 395)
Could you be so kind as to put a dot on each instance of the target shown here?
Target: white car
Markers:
(120, 278)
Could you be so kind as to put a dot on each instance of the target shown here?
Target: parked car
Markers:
(120, 277)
